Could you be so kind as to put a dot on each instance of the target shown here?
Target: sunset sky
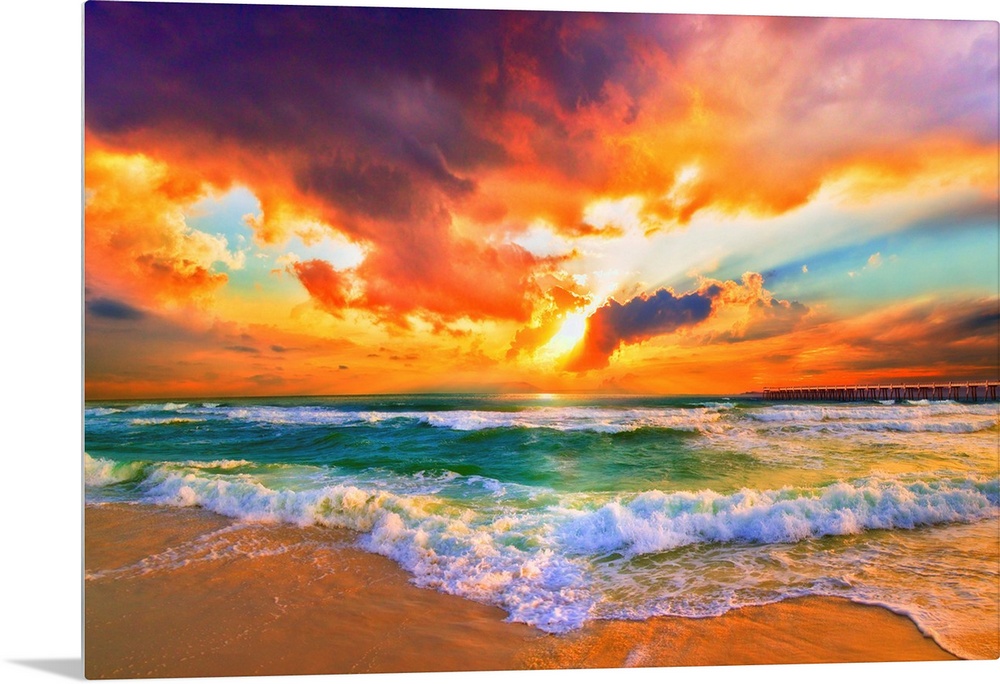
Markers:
(314, 200)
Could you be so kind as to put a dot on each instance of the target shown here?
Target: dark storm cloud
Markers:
(576, 56)
(243, 349)
(411, 86)
(105, 307)
(980, 323)
(638, 319)
(374, 190)
(279, 75)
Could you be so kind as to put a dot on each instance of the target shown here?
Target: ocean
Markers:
(563, 509)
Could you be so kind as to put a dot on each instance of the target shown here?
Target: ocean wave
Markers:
(445, 546)
(561, 419)
(556, 529)
(656, 521)
(220, 464)
(165, 421)
(166, 406)
(575, 419)
(718, 405)
(535, 561)
(300, 415)
(957, 426)
(940, 417)
(99, 411)
(100, 472)
(798, 412)
(709, 418)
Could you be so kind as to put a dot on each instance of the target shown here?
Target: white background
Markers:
(41, 428)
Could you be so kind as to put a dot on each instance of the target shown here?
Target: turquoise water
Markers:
(566, 508)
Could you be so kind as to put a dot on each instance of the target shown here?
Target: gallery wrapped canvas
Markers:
(425, 340)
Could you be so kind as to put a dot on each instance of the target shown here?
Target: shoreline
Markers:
(282, 600)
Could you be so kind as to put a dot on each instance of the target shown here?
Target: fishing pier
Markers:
(955, 391)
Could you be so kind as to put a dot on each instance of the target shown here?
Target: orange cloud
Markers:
(721, 311)
(768, 115)
(136, 237)
(328, 287)
(563, 110)
(459, 279)
(916, 341)
(431, 158)
(638, 319)
(550, 314)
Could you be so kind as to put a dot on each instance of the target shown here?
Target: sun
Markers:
(566, 338)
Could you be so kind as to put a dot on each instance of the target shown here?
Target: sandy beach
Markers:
(184, 592)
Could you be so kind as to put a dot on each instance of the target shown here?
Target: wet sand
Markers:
(184, 592)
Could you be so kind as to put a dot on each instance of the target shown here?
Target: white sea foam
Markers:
(700, 419)
(450, 548)
(534, 561)
(557, 556)
(165, 421)
(656, 521)
(707, 419)
(221, 464)
(98, 411)
(300, 415)
(166, 406)
(939, 417)
(564, 419)
(100, 472)
(954, 426)
(718, 405)
(215, 545)
(569, 419)
(876, 410)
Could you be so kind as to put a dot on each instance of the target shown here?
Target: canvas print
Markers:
(455, 340)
